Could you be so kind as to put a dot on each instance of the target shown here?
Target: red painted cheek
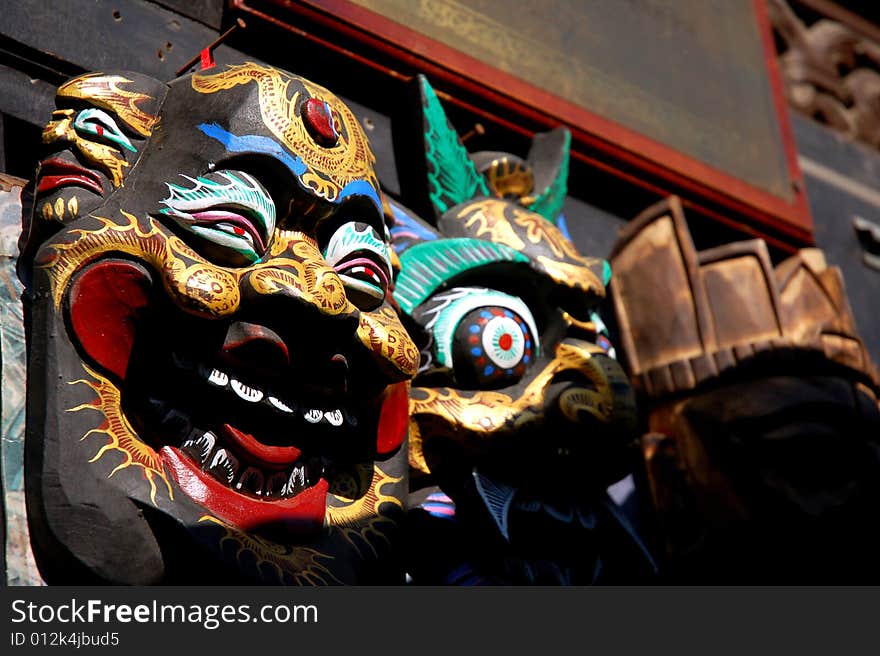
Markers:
(104, 303)
(393, 419)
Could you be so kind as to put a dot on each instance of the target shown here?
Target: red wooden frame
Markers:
(596, 140)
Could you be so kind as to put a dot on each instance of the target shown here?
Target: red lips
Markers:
(55, 173)
(294, 520)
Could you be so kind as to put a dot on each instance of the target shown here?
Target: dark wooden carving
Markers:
(761, 453)
(520, 415)
(217, 380)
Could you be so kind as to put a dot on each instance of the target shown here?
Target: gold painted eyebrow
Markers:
(106, 92)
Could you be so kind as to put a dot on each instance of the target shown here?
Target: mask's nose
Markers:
(255, 347)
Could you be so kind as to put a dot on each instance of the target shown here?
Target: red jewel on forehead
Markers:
(318, 119)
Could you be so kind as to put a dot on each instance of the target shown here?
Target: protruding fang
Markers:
(276, 486)
(205, 444)
(224, 465)
(247, 393)
(218, 378)
(297, 480)
(192, 447)
(313, 416)
(251, 480)
(278, 404)
(334, 417)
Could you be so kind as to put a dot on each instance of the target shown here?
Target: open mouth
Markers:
(269, 469)
(251, 432)
(56, 172)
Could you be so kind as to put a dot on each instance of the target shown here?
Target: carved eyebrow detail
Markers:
(233, 211)
(104, 91)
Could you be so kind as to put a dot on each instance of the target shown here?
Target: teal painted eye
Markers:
(362, 260)
(487, 338)
(230, 211)
(97, 123)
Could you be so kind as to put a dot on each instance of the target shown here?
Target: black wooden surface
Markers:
(102, 34)
(209, 12)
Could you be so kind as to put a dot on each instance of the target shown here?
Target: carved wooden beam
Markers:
(831, 71)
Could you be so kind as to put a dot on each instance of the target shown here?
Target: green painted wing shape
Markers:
(452, 176)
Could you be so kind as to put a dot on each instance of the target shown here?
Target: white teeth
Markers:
(205, 444)
(251, 480)
(313, 416)
(276, 403)
(225, 463)
(247, 393)
(297, 480)
(218, 378)
(334, 417)
(277, 484)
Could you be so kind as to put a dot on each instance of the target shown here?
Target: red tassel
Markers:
(207, 59)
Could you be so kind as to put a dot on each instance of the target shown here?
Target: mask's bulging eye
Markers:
(361, 258)
(230, 211)
(91, 123)
(486, 337)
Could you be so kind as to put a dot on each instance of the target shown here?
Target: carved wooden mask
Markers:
(217, 380)
(519, 406)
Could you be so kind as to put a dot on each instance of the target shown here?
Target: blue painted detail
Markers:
(508, 313)
(361, 188)
(488, 371)
(526, 359)
(485, 314)
(254, 143)
(474, 329)
(606, 273)
(408, 230)
(477, 352)
(563, 226)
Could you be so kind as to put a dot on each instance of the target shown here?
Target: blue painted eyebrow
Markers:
(254, 143)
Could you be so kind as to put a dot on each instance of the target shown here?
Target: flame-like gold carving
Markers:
(486, 414)
(105, 91)
(365, 517)
(200, 287)
(121, 437)
(329, 169)
(289, 564)
(382, 332)
(492, 224)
